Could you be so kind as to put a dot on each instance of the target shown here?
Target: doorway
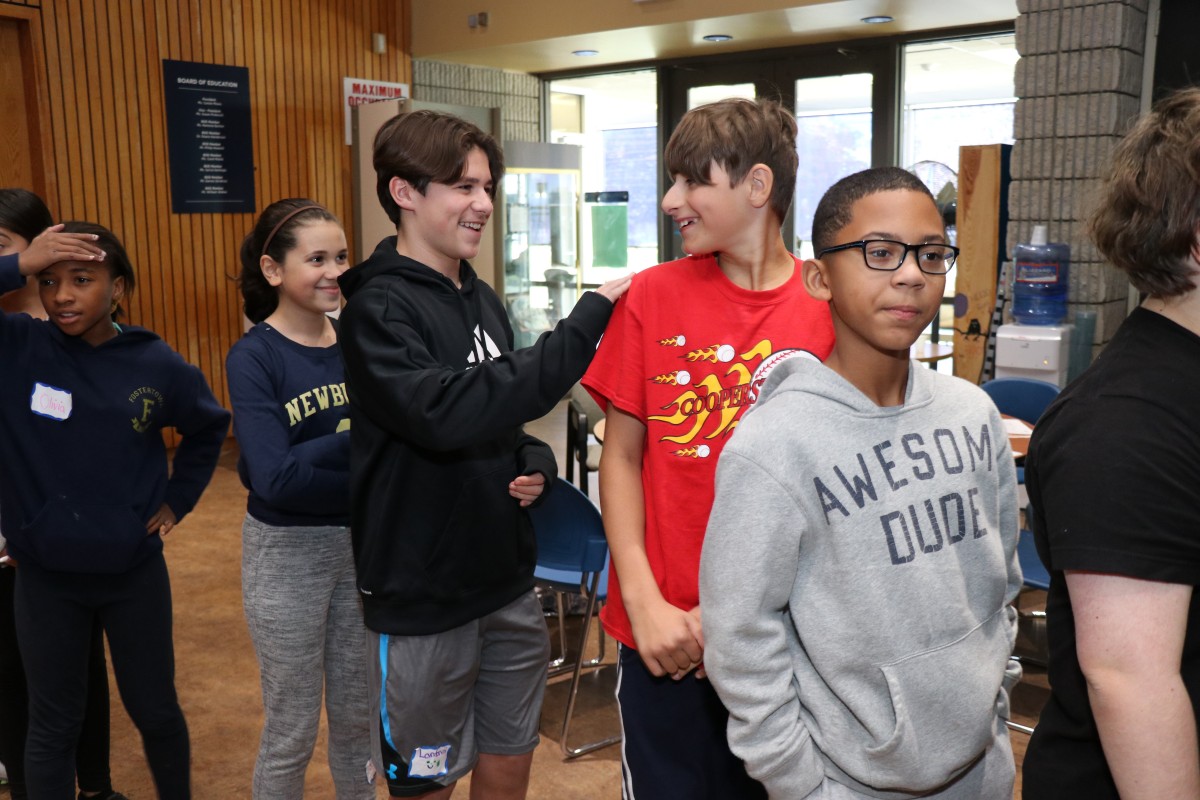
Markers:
(20, 136)
(844, 100)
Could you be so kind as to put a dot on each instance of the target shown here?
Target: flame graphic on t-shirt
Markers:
(699, 451)
(674, 341)
(721, 397)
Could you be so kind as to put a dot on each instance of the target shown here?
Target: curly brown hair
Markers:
(274, 234)
(1148, 210)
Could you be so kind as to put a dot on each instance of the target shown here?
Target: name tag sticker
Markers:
(50, 401)
(429, 762)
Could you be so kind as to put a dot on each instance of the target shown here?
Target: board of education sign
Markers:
(208, 137)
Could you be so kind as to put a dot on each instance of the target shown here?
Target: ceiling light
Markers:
(718, 37)
(585, 53)
(878, 19)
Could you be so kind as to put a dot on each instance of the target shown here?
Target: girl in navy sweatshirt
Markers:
(292, 425)
(85, 499)
(23, 216)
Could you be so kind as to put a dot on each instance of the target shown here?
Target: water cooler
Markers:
(1038, 345)
(1041, 352)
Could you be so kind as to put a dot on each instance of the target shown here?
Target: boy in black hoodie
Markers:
(441, 471)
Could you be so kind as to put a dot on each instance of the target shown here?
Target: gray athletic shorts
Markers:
(442, 699)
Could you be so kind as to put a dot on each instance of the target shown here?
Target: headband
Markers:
(281, 223)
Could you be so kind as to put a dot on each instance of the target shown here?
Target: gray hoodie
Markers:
(856, 583)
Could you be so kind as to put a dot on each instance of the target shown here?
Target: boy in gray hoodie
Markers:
(860, 565)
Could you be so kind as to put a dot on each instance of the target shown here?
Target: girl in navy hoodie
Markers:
(85, 498)
(292, 424)
(23, 216)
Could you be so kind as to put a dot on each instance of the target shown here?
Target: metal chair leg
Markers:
(562, 634)
(575, 752)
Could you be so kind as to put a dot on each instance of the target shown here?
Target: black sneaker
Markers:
(111, 795)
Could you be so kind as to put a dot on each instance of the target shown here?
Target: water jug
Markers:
(1041, 271)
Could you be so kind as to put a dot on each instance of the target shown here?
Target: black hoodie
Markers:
(437, 400)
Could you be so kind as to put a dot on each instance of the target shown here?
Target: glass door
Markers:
(540, 248)
(538, 213)
(845, 107)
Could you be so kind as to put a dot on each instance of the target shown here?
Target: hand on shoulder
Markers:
(615, 288)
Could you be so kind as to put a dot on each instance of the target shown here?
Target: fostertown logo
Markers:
(144, 400)
(483, 348)
(710, 406)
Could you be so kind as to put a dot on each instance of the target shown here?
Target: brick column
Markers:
(1078, 86)
(517, 95)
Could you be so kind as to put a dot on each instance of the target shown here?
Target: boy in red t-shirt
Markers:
(682, 358)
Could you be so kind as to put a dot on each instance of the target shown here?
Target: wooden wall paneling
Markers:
(252, 19)
(106, 156)
(84, 95)
(129, 169)
(38, 106)
(277, 95)
(272, 150)
(338, 169)
(236, 225)
(331, 125)
(112, 123)
(316, 32)
(67, 144)
(169, 226)
(170, 33)
(17, 94)
(338, 163)
(191, 49)
(160, 224)
(296, 182)
(25, 48)
(204, 32)
(299, 80)
(173, 244)
(70, 192)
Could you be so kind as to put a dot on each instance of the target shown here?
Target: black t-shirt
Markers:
(1113, 475)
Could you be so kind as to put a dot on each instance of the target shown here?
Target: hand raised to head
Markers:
(52, 246)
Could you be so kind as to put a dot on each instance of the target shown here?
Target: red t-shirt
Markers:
(681, 354)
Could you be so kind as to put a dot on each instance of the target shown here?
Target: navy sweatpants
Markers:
(674, 738)
(55, 612)
(91, 758)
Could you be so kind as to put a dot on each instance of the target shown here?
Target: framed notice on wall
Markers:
(208, 137)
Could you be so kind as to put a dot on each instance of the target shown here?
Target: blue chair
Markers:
(1023, 398)
(1034, 571)
(582, 449)
(572, 559)
(1034, 575)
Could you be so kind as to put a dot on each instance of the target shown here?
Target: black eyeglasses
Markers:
(886, 255)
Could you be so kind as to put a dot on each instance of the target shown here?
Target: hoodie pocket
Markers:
(84, 537)
(480, 545)
(945, 705)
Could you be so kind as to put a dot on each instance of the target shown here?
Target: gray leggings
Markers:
(305, 618)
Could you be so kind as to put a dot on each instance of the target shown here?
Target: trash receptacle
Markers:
(559, 282)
